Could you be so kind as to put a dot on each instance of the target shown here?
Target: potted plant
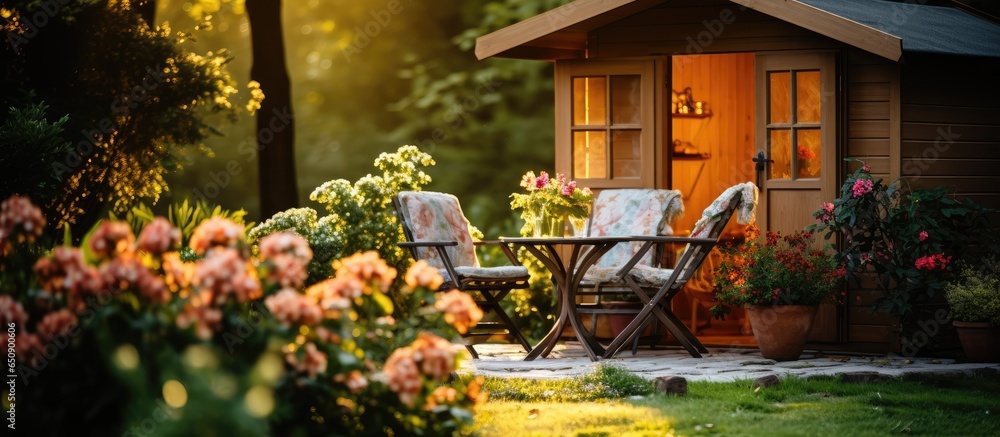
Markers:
(549, 203)
(781, 281)
(974, 299)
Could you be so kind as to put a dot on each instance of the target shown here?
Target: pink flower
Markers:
(827, 206)
(290, 307)
(55, 324)
(923, 235)
(215, 231)
(24, 345)
(204, 318)
(18, 216)
(112, 239)
(223, 272)
(459, 310)
(569, 188)
(867, 168)
(286, 256)
(64, 273)
(937, 261)
(130, 274)
(355, 381)
(285, 243)
(313, 361)
(159, 236)
(542, 181)
(11, 311)
(861, 187)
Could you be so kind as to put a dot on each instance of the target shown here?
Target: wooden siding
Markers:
(871, 134)
(951, 126)
(686, 27)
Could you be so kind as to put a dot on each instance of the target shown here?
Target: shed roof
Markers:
(922, 28)
(885, 28)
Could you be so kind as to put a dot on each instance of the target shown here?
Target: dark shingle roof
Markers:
(923, 28)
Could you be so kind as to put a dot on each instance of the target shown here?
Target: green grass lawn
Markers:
(615, 403)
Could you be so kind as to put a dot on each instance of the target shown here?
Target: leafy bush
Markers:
(908, 242)
(228, 343)
(781, 270)
(29, 146)
(134, 98)
(974, 296)
(360, 216)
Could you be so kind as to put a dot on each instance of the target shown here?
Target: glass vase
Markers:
(548, 225)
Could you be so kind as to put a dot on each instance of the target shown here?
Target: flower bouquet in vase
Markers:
(781, 281)
(551, 204)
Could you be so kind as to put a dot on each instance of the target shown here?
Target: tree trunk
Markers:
(275, 127)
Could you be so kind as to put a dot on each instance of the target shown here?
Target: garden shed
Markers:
(698, 95)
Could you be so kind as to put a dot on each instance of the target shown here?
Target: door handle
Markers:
(760, 164)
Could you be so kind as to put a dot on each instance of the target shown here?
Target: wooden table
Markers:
(567, 277)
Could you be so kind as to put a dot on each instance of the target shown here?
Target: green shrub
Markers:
(975, 295)
(360, 216)
(29, 146)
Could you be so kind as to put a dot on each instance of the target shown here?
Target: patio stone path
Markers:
(568, 359)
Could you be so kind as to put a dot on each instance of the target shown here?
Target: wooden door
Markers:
(796, 136)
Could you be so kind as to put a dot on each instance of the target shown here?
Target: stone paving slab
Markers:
(720, 365)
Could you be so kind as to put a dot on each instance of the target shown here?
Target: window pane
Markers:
(780, 142)
(589, 101)
(808, 98)
(625, 96)
(779, 91)
(625, 154)
(590, 154)
(808, 152)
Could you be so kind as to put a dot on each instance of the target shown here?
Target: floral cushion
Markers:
(498, 273)
(629, 212)
(745, 211)
(438, 217)
(650, 276)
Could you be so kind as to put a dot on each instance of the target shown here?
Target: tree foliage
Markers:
(132, 94)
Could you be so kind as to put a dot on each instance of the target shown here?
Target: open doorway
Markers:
(711, 142)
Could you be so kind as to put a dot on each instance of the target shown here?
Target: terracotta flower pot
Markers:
(980, 341)
(781, 330)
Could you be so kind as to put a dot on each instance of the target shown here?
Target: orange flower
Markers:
(422, 274)
(366, 266)
(215, 231)
(459, 310)
(355, 381)
(290, 307)
(402, 375)
(224, 272)
(112, 239)
(440, 395)
(434, 355)
(313, 361)
(204, 318)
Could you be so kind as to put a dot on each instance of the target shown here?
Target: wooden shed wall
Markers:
(951, 126)
(871, 133)
(687, 27)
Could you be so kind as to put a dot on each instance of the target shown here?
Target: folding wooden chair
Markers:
(656, 287)
(438, 232)
(625, 213)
